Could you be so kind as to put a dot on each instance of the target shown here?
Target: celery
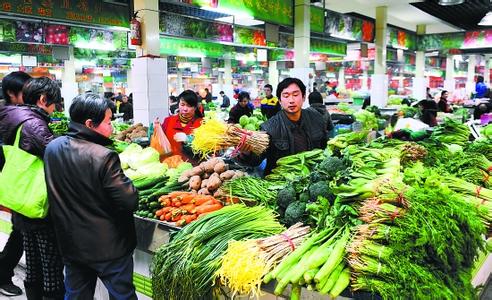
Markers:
(328, 284)
(334, 259)
(341, 284)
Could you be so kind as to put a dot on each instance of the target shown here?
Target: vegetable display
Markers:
(208, 177)
(213, 136)
(186, 266)
(132, 132)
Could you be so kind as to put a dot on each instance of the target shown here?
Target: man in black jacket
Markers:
(293, 129)
(91, 203)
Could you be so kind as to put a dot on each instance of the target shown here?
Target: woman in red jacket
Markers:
(177, 128)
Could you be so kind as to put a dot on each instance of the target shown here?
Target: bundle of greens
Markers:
(341, 141)
(482, 146)
(251, 189)
(472, 167)
(297, 165)
(185, 267)
(451, 132)
(425, 245)
(367, 118)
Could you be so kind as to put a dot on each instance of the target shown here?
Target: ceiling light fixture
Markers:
(450, 2)
(486, 20)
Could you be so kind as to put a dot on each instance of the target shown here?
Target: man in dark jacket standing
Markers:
(316, 104)
(91, 203)
(293, 129)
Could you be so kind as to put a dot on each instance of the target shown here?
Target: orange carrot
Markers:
(208, 208)
(176, 217)
(162, 217)
(168, 216)
(185, 199)
(189, 218)
(200, 200)
(181, 223)
(188, 207)
(159, 213)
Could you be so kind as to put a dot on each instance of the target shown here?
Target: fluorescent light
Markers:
(248, 22)
(450, 2)
(340, 36)
(486, 20)
(433, 53)
(228, 19)
(231, 12)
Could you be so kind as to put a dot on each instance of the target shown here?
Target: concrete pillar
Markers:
(70, 88)
(419, 81)
(449, 83)
(179, 82)
(227, 71)
(486, 72)
(273, 75)
(470, 80)
(302, 44)
(379, 81)
(149, 75)
(341, 77)
(364, 79)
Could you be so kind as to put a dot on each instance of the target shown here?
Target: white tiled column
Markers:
(70, 88)
(149, 79)
(449, 83)
(419, 81)
(379, 81)
(149, 75)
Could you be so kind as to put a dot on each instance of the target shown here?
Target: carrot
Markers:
(166, 202)
(162, 217)
(159, 213)
(189, 218)
(208, 208)
(176, 217)
(177, 204)
(168, 216)
(181, 223)
(185, 199)
(199, 200)
(165, 210)
(188, 207)
(177, 193)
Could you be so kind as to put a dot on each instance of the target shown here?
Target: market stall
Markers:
(404, 214)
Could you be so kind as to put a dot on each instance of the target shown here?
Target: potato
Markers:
(227, 175)
(214, 182)
(219, 193)
(197, 171)
(183, 178)
(220, 167)
(203, 191)
(204, 183)
(209, 164)
(195, 182)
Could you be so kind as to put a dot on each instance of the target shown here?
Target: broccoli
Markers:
(316, 176)
(321, 188)
(294, 213)
(331, 166)
(286, 196)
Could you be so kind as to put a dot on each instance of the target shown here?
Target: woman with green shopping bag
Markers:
(44, 274)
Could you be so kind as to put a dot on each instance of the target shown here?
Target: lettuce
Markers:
(128, 153)
(146, 156)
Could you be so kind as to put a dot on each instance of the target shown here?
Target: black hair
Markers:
(243, 95)
(13, 82)
(89, 106)
(191, 98)
(221, 92)
(288, 81)
(173, 98)
(36, 87)
(479, 78)
(315, 84)
(442, 93)
(367, 102)
(315, 97)
(268, 86)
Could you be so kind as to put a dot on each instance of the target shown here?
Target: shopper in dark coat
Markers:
(242, 108)
(126, 108)
(12, 85)
(443, 104)
(226, 102)
(316, 104)
(44, 274)
(292, 130)
(93, 214)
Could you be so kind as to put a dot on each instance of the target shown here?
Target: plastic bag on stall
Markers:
(159, 141)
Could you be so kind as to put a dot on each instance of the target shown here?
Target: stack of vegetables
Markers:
(208, 177)
(213, 136)
(131, 133)
(185, 207)
(58, 124)
(186, 267)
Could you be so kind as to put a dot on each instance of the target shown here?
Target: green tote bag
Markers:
(22, 183)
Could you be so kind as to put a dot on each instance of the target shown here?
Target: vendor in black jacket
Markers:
(242, 108)
(293, 129)
(91, 203)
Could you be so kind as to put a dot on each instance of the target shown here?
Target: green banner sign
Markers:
(194, 48)
(328, 47)
(81, 11)
(444, 41)
(401, 39)
(273, 11)
(26, 48)
(317, 19)
(98, 39)
(249, 36)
